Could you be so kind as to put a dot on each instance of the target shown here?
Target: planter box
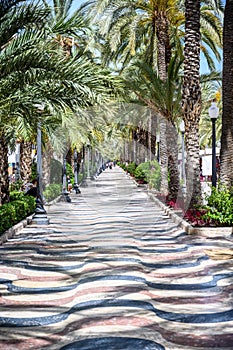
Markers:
(187, 227)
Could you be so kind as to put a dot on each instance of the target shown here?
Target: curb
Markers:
(210, 232)
(11, 232)
(54, 201)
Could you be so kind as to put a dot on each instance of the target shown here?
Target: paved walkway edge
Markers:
(188, 228)
(11, 232)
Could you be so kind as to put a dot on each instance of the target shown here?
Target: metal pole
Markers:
(76, 188)
(84, 181)
(214, 175)
(183, 165)
(40, 216)
(158, 152)
(39, 161)
(65, 193)
(183, 175)
(88, 162)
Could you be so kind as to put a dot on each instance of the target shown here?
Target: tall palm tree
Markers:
(226, 155)
(141, 28)
(191, 103)
(15, 16)
(163, 97)
(132, 27)
(150, 30)
(37, 73)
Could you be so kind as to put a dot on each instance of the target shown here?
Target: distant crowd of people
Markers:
(110, 164)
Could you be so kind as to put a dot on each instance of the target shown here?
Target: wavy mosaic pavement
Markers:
(112, 272)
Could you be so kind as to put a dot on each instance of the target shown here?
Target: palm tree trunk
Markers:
(126, 148)
(25, 161)
(4, 176)
(226, 156)
(153, 133)
(172, 145)
(163, 45)
(164, 54)
(191, 101)
(163, 157)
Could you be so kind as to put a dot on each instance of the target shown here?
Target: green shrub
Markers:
(7, 217)
(31, 203)
(149, 172)
(131, 168)
(18, 209)
(52, 191)
(219, 206)
(141, 172)
(15, 195)
(122, 165)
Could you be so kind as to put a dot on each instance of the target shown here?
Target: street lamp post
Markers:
(88, 162)
(40, 217)
(182, 130)
(84, 180)
(158, 147)
(65, 193)
(213, 113)
(76, 187)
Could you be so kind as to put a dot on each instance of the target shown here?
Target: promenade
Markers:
(113, 272)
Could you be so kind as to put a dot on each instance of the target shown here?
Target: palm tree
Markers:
(38, 73)
(137, 28)
(163, 97)
(150, 31)
(141, 28)
(14, 17)
(226, 155)
(191, 103)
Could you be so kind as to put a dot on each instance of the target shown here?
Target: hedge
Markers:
(19, 207)
(52, 191)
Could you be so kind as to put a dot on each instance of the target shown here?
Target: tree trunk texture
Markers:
(191, 100)
(226, 155)
(153, 133)
(143, 137)
(163, 44)
(47, 156)
(4, 176)
(135, 147)
(129, 149)
(172, 147)
(69, 156)
(164, 55)
(25, 162)
(163, 156)
(126, 150)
